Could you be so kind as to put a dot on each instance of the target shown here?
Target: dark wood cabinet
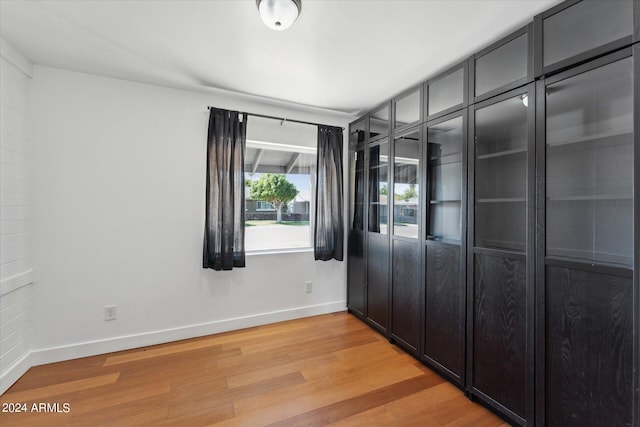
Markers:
(444, 312)
(585, 283)
(405, 296)
(379, 122)
(378, 235)
(499, 364)
(407, 109)
(578, 30)
(500, 262)
(588, 357)
(356, 244)
(405, 233)
(505, 65)
(356, 272)
(494, 223)
(447, 92)
(378, 281)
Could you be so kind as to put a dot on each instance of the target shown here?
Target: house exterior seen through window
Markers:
(279, 196)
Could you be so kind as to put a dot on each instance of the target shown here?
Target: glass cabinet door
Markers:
(500, 174)
(379, 123)
(589, 171)
(584, 26)
(444, 181)
(378, 187)
(406, 185)
(407, 109)
(502, 66)
(356, 187)
(445, 92)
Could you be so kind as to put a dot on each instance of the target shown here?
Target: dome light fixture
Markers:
(279, 14)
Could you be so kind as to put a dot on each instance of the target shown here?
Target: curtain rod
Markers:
(281, 119)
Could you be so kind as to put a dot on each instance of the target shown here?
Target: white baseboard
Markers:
(15, 371)
(92, 348)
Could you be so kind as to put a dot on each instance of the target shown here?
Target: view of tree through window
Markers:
(279, 196)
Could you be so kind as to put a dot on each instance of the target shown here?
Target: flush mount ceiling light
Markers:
(279, 14)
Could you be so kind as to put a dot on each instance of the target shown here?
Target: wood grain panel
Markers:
(499, 336)
(405, 309)
(378, 279)
(444, 309)
(589, 339)
(356, 266)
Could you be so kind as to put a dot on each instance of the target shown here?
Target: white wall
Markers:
(119, 175)
(16, 264)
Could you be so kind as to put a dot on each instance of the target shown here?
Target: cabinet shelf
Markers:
(445, 160)
(502, 245)
(503, 200)
(594, 257)
(502, 153)
(440, 202)
(603, 130)
(590, 197)
(442, 239)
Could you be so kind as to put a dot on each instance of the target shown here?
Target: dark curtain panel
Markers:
(374, 189)
(224, 220)
(329, 226)
(358, 208)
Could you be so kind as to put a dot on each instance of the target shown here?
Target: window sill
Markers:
(278, 251)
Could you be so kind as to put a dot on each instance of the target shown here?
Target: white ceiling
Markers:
(345, 56)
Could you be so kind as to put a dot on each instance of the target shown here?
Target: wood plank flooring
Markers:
(323, 370)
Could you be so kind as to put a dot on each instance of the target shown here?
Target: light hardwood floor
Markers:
(324, 370)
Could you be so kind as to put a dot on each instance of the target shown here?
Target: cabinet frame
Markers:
(375, 325)
(393, 337)
(401, 129)
(387, 104)
(541, 260)
(352, 150)
(458, 380)
(538, 35)
(536, 205)
(464, 65)
(636, 221)
(527, 256)
(473, 99)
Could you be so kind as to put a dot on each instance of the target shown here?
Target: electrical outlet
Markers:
(308, 287)
(109, 312)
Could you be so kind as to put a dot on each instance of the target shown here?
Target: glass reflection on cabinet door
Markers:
(378, 187)
(406, 185)
(589, 170)
(356, 184)
(445, 172)
(500, 175)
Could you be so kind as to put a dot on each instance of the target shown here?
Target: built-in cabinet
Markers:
(494, 228)
(586, 250)
(500, 284)
(406, 231)
(378, 234)
(356, 256)
(444, 245)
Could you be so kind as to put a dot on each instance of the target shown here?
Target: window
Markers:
(270, 223)
(264, 206)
